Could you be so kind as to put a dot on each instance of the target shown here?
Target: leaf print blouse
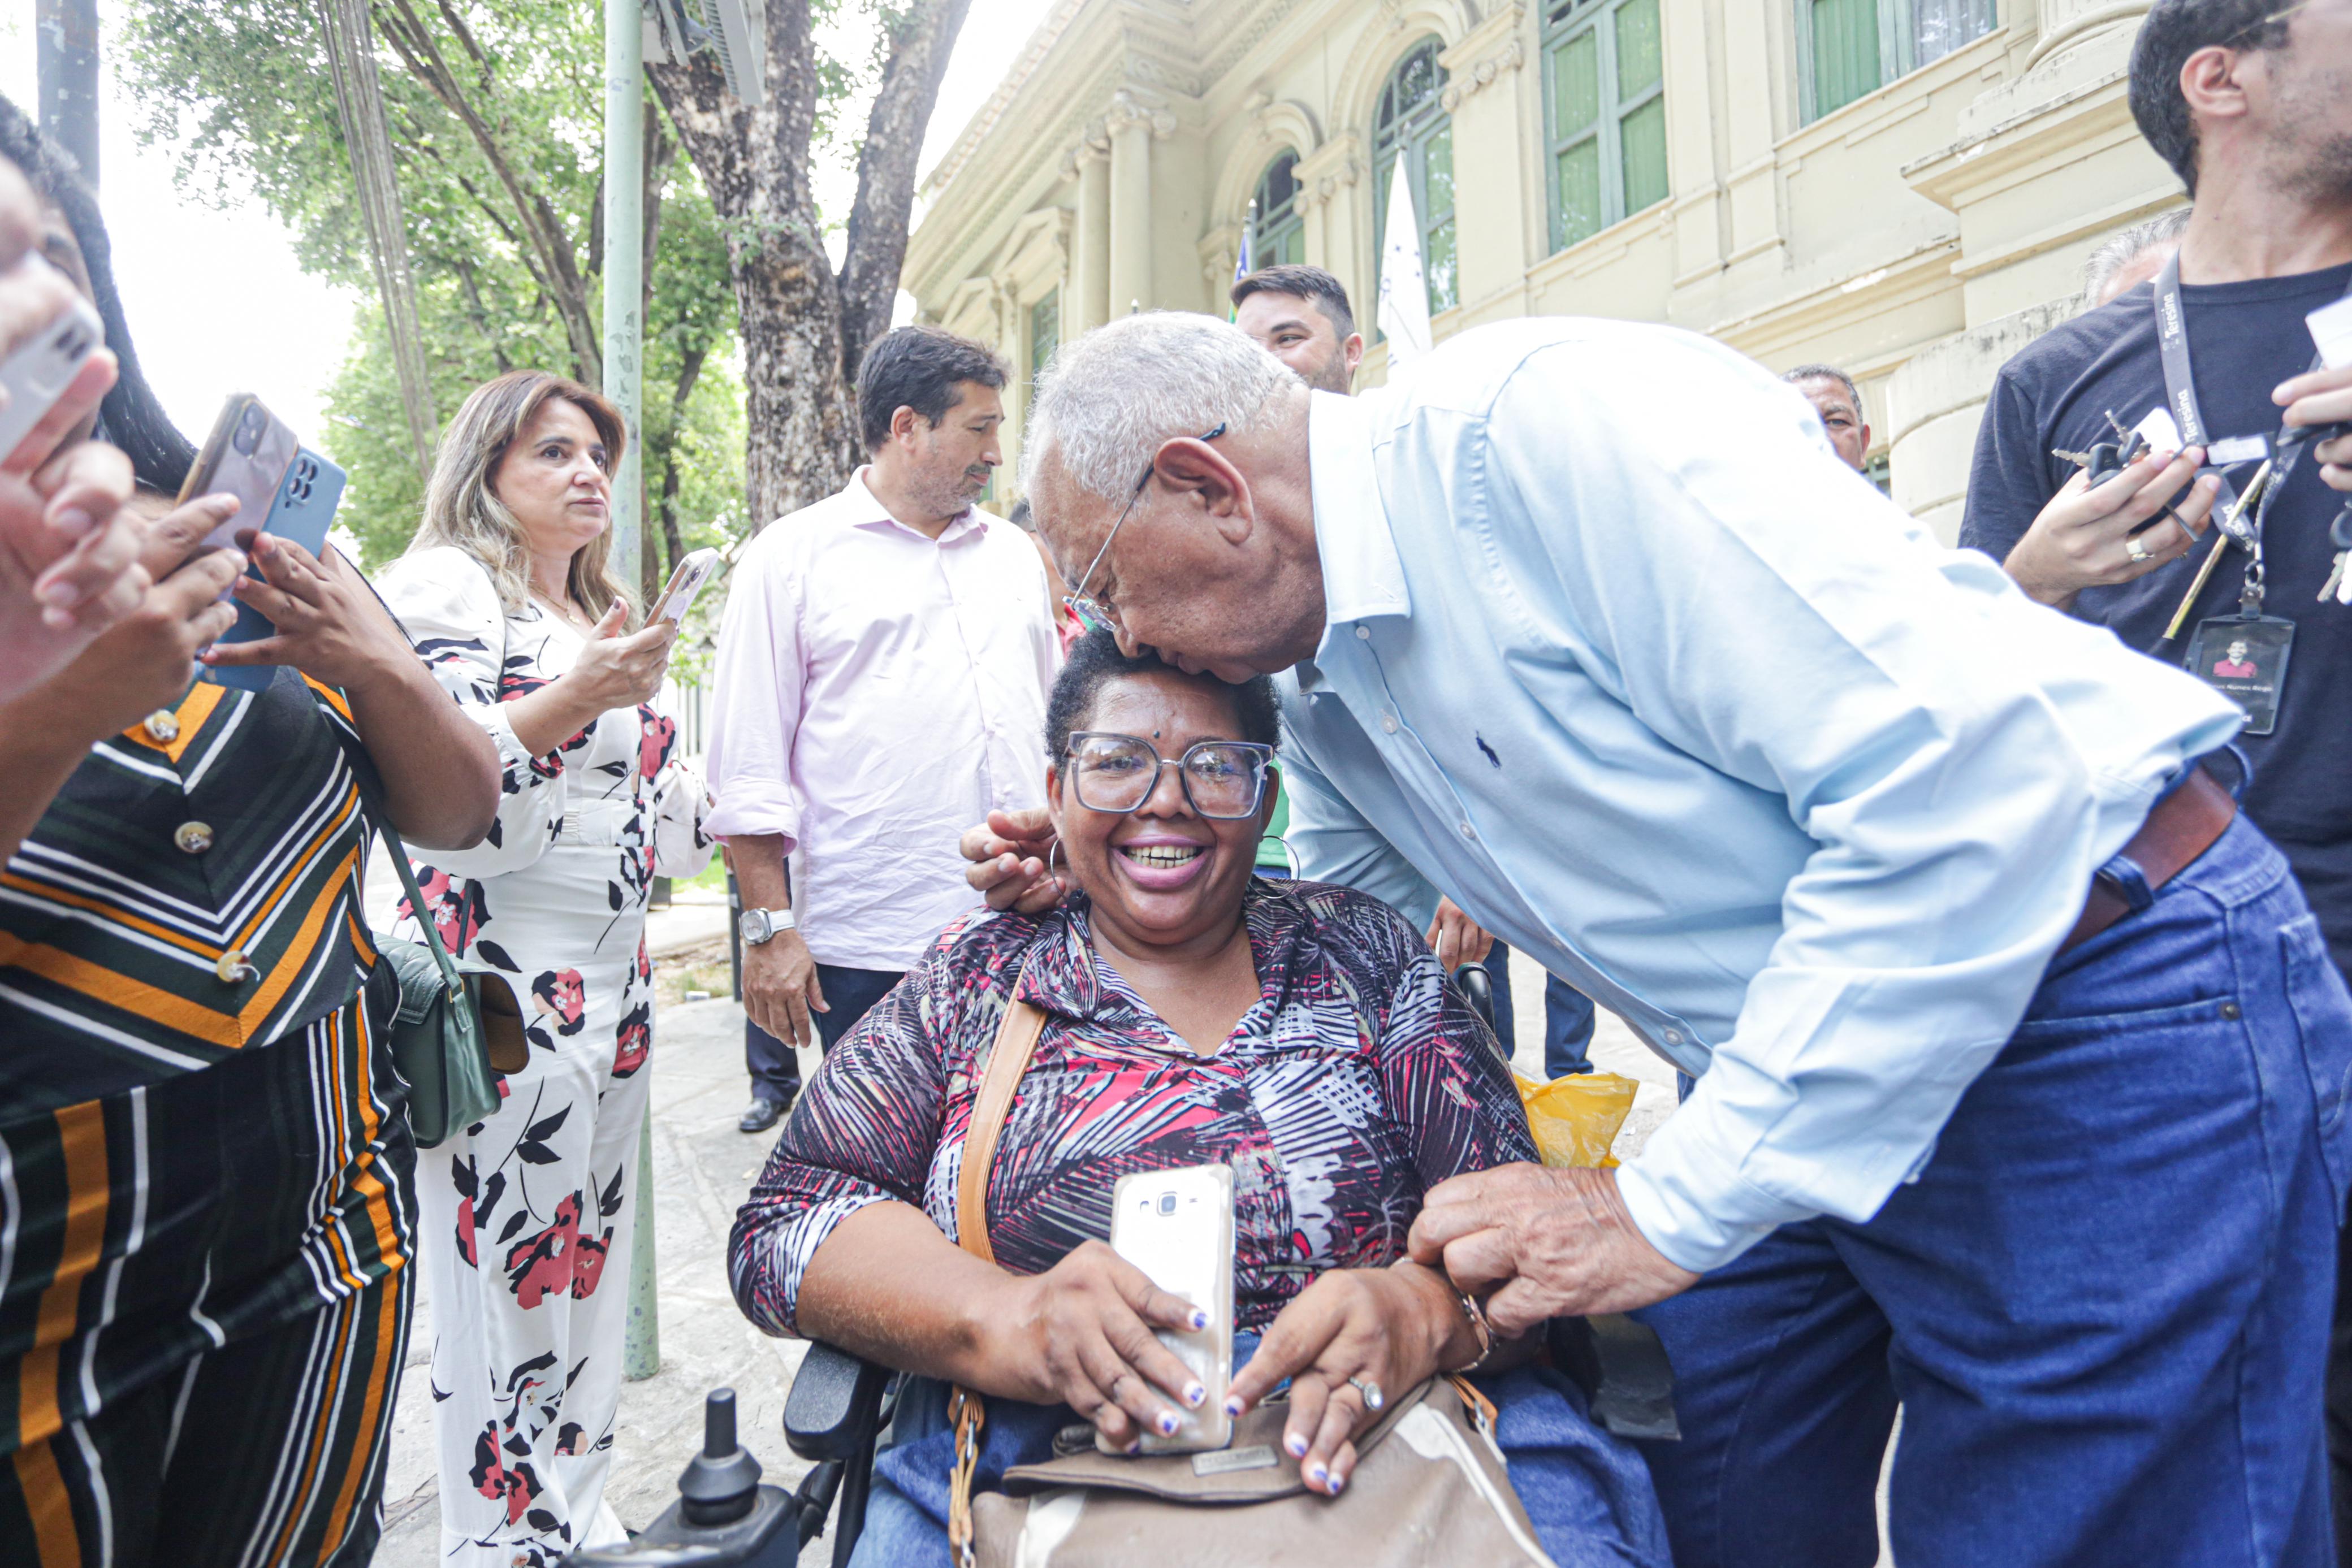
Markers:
(1355, 1083)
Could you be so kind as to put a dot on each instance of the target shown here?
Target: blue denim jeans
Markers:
(1568, 1016)
(2103, 1306)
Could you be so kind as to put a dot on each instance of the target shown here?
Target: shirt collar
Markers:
(1363, 576)
(1064, 975)
(864, 510)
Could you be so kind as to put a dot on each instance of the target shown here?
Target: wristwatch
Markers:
(759, 925)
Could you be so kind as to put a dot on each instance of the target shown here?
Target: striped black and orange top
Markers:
(201, 1134)
(192, 893)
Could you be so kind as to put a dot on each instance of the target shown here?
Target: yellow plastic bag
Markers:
(1576, 1118)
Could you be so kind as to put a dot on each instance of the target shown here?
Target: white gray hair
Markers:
(1108, 399)
(2124, 247)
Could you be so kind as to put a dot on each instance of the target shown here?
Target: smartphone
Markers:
(302, 511)
(246, 455)
(37, 374)
(692, 573)
(1177, 1227)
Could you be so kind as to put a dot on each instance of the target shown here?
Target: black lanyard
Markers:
(2180, 393)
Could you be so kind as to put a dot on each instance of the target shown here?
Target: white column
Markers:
(1090, 243)
(1131, 126)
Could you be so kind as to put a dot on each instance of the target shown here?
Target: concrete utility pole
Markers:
(624, 228)
(66, 71)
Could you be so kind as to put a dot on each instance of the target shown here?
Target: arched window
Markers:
(1278, 232)
(1413, 124)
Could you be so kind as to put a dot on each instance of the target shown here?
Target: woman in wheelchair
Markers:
(1300, 1033)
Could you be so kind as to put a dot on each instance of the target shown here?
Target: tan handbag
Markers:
(1429, 1485)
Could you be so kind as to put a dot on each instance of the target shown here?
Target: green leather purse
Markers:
(453, 1017)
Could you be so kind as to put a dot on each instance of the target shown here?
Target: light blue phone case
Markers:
(304, 507)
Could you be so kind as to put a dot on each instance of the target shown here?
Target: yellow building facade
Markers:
(1905, 188)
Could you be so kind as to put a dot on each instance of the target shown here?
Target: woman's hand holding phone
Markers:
(146, 659)
(613, 671)
(330, 623)
(1081, 1334)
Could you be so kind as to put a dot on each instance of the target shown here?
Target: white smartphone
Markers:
(1177, 1227)
(37, 374)
(692, 573)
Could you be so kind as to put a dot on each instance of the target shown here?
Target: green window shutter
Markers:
(1579, 191)
(1641, 63)
(1437, 217)
(1576, 85)
(1643, 134)
(1045, 332)
(1845, 52)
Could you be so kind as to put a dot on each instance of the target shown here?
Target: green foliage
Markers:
(242, 91)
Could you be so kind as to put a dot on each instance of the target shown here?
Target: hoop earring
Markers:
(1052, 855)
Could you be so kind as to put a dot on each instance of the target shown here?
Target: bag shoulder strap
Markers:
(1017, 1043)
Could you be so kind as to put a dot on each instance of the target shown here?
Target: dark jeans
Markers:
(1568, 1016)
(849, 993)
(2103, 1305)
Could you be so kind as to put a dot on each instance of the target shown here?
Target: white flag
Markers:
(1403, 311)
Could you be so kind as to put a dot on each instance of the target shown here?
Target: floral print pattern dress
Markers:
(527, 1218)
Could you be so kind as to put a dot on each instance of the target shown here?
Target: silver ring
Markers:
(2137, 551)
(1373, 1397)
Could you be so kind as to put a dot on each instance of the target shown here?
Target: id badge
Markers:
(2244, 657)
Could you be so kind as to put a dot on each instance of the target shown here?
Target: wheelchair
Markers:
(840, 1406)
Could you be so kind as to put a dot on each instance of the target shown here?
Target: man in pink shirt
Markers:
(881, 682)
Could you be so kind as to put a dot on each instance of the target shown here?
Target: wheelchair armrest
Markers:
(1623, 1368)
(834, 1410)
(1477, 988)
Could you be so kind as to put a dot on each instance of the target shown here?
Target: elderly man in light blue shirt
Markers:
(1586, 621)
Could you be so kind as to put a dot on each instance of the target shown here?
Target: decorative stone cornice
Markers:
(1330, 169)
(1484, 75)
(1130, 107)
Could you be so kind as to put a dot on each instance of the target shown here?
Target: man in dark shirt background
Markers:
(2250, 102)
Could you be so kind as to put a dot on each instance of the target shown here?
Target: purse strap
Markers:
(1008, 1060)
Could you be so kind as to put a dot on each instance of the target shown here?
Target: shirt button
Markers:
(1468, 832)
(1388, 722)
(194, 838)
(1365, 632)
(162, 726)
(232, 969)
(1673, 1037)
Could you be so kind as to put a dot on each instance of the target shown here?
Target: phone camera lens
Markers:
(1167, 1203)
(249, 430)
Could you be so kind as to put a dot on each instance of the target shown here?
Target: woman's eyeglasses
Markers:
(1224, 780)
(1092, 614)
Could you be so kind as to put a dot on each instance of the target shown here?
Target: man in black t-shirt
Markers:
(2251, 102)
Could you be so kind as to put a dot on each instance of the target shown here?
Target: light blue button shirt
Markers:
(1621, 657)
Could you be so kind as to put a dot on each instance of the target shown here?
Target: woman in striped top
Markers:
(205, 1161)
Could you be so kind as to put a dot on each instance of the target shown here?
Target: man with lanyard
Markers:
(2251, 103)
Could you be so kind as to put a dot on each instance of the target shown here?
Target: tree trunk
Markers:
(804, 330)
(800, 445)
(917, 60)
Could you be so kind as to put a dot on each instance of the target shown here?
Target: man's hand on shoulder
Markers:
(1010, 857)
(1545, 1242)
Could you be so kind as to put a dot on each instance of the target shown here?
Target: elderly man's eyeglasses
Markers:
(1224, 780)
(1092, 614)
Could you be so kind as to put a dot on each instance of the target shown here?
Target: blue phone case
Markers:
(302, 510)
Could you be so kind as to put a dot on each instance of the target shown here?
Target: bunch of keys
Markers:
(2106, 459)
(2338, 585)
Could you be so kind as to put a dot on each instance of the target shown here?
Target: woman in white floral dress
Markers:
(527, 1218)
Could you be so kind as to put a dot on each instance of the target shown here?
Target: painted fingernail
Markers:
(75, 521)
(1318, 1474)
(1296, 1445)
(1339, 1482)
(1200, 1320)
(61, 594)
(1166, 1423)
(1233, 1405)
(1194, 1394)
(56, 620)
(1134, 1448)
